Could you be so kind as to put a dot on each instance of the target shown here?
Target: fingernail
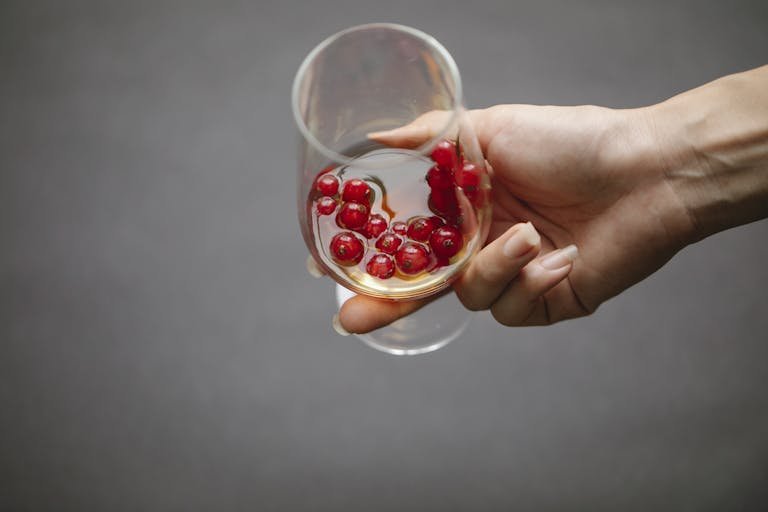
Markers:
(560, 258)
(337, 326)
(521, 241)
(313, 268)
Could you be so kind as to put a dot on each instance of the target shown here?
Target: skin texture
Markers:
(628, 188)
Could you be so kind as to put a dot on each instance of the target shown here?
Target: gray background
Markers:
(162, 348)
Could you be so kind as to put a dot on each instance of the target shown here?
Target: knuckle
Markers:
(568, 312)
(471, 301)
(489, 273)
(504, 316)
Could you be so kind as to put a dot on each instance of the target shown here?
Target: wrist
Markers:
(711, 144)
(645, 158)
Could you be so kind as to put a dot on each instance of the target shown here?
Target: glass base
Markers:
(428, 329)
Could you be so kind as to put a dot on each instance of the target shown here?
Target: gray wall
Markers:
(161, 347)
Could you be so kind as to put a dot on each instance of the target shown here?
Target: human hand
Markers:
(562, 178)
(614, 183)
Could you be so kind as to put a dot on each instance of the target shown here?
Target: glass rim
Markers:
(453, 71)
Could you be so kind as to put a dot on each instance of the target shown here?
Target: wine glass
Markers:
(390, 218)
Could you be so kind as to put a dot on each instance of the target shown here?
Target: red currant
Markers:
(440, 263)
(445, 156)
(326, 205)
(356, 190)
(412, 258)
(375, 226)
(444, 203)
(327, 185)
(381, 266)
(346, 248)
(420, 228)
(446, 241)
(437, 221)
(388, 243)
(352, 216)
(477, 197)
(400, 228)
(438, 179)
(468, 177)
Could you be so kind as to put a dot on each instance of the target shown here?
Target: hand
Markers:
(624, 186)
(562, 177)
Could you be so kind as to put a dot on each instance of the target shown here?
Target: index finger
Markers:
(429, 125)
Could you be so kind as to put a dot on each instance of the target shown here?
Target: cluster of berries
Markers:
(423, 243)
(451, 171)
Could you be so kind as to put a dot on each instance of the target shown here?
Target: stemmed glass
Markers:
(395, 218)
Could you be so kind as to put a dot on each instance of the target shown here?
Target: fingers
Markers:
(517, 301)
(417, 132)
(520, 303)
(431, 124)
(504, 277)
(362, 314)
(498, 263)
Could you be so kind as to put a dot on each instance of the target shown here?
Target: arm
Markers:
(629, 188)
(713, 141)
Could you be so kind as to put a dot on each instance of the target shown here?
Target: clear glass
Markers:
(374, 78)
(426, 330)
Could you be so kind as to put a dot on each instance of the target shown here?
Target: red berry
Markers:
(388, 243)
(441, 262)
(352, 216)
(400, 228)
(476, 196)
(327, 185)
(446, 241)
(381, 266)
(420, 228)
(438, 179)
(412, 258)
(326, 205)
(356, 190)
(375, 226)
(437, 221)
(444, 203)
(445, 155)
(346, 248)
(468, 177)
